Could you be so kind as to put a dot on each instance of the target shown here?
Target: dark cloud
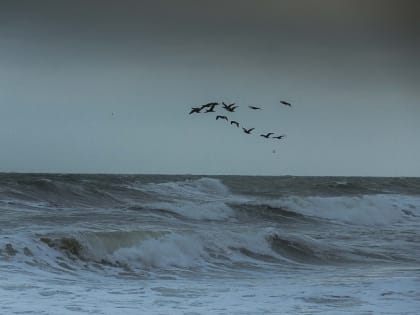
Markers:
(211, 31)
(212, 21)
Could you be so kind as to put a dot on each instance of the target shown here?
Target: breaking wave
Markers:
(362, 210)
(134, 226)
(136, 253)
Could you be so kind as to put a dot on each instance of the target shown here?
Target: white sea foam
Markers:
(333, 291)
(215, 210)
(202, 189)
(365, 210)
(170, 250)
(199, 199)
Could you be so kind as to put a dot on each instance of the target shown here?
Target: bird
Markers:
(211, 109)
(209, 105)
(234, 123)
(221, 117)
(254, 107)
(279, 137)
(230, 107)
(226, 105)
(286, 103)
(195, 110)
(248, 131)
(267, 135)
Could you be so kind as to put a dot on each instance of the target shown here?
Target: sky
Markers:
(106, 86)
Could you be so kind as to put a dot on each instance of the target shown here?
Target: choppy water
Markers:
(109, 244)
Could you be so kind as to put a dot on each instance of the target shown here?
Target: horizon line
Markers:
(191, 174)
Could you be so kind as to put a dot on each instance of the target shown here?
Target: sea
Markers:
(169, 244)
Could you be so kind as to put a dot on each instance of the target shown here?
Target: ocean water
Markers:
(111, 244)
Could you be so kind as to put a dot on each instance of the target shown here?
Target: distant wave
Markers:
(363, 210)
(68, 190)
(200, 199)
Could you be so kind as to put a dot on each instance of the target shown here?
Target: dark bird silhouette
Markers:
(230, 108)
(254, 107)
(195, 110)
(234, 123)
(267, 135)
(209, 104)
(226, 105)
(286, 103)
(211, 109)
(248, 131)
(222, 117)
(279, 137)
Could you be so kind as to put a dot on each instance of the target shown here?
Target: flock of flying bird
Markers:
(210, 108)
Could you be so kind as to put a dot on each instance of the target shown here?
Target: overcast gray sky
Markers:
(350, 68)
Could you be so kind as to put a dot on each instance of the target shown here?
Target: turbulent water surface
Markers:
(110, 244)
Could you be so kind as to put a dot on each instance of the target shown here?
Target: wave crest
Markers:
(362, 210)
